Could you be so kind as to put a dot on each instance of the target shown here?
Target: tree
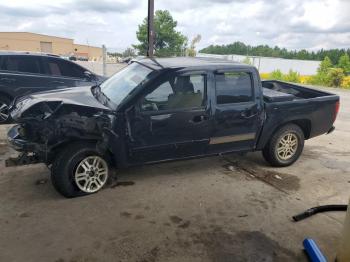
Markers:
(192, 50)
(240, 48)
(168, 41)
(321, 78)
(344, 63)
(325, 65)
(129, 52)
(114, 54)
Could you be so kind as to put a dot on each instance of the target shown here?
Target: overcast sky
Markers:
(294, 24)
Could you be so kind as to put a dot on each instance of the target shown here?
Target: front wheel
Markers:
(285, 146)
(79, 170)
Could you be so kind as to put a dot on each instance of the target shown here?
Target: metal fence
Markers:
(269, 64)
(97, 67)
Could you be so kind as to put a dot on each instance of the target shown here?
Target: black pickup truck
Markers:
(165, 109)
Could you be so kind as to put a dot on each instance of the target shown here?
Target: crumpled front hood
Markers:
(78, 96)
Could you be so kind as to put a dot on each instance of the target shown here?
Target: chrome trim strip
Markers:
(230, 139)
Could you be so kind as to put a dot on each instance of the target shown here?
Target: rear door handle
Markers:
(8, 80)
(247, 115)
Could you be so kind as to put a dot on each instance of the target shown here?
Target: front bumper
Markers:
(20, 144)
(30, 153)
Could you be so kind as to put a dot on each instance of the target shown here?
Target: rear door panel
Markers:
(237, 119)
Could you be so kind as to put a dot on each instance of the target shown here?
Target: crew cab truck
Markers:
(165, 109)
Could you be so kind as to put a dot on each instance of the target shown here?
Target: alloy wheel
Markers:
(287, 146)
(91, 174)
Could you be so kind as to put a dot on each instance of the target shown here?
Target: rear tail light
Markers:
(337, 105)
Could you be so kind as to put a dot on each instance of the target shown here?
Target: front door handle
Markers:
(198, 119)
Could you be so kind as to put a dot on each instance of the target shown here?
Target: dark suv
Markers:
(25, 73)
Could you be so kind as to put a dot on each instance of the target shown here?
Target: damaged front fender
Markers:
(43, 134)
(47, 121)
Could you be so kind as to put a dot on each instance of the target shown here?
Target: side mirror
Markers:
(88, 75)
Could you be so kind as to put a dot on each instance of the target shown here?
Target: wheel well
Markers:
(56, 150)
(6, 95)
(305, 126)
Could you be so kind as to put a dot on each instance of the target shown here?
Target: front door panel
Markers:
(170, 135)
(173, 120)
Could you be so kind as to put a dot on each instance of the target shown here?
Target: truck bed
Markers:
(313, 110)
(278, 91)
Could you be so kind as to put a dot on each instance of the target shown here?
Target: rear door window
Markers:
(24, 63)
(60, 67)
(233, 87)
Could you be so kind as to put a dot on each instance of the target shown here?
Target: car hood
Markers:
(78, 96)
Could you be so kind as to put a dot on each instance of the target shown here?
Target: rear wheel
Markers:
(79, 170)
(4, 110)
(285, 146)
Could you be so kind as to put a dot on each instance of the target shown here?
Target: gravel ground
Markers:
(212, 209)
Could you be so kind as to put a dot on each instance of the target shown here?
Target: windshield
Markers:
(125, 81)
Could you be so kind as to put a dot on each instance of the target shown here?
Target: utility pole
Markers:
(150, 24)
(104, 60)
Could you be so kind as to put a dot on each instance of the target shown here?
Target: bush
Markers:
(264, 75)
(276, 75)
(334, 77)
(327, 74)
(346, 82)
(292, 76)
(316, 80)
(306, 79)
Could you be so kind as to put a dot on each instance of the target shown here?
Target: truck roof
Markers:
(190, 62)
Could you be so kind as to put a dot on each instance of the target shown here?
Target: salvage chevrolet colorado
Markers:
(165, 109)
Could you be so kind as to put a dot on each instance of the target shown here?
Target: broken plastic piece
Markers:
(22, 159)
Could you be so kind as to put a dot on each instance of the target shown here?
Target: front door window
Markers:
(178, 92)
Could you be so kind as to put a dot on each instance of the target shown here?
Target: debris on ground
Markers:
(123, 183)
(41, 181)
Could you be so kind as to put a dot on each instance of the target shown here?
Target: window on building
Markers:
(233, 87)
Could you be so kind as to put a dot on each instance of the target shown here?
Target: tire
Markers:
(4, 113)
(285, 146)
(73, 172)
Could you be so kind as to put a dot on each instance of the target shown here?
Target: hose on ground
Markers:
(319, 209)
